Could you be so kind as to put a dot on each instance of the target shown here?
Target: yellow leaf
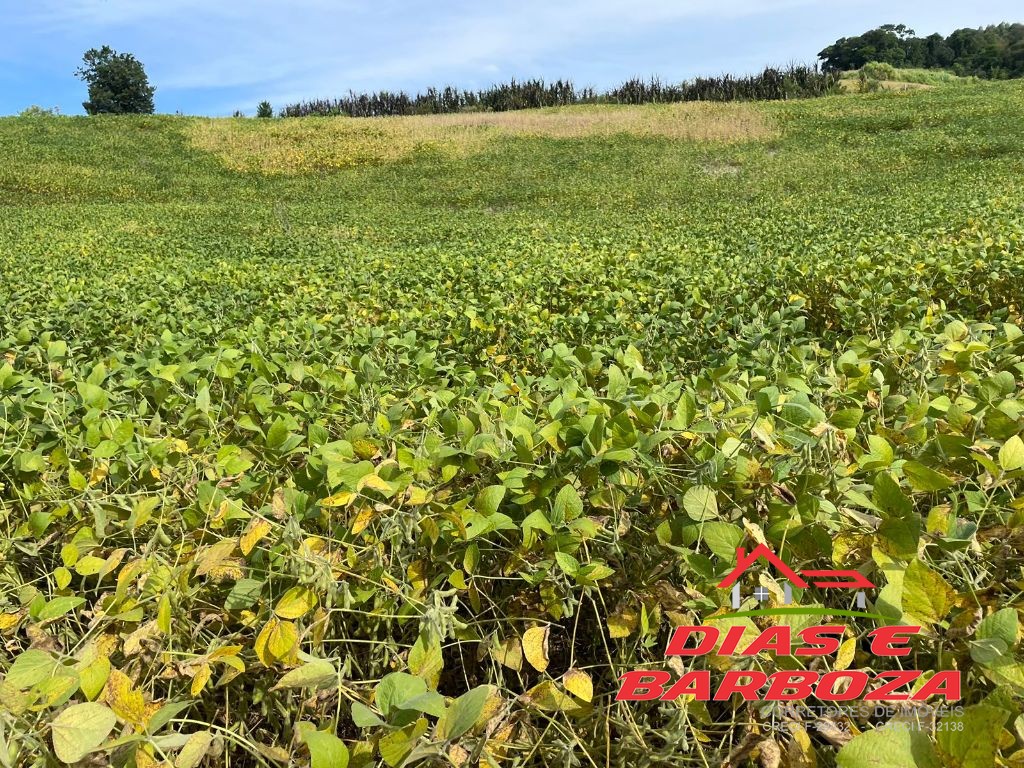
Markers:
(509, 653)
(128, 703)
(260, 646)
(417, 495)
(801, 749)
(927, 597)
(99, 473)
(129, 574)
(62, 576)
(376, 483)
(578, 683)
(417, 575)
(9, 621)
(494, 705)
(210, 557)
(107, 645)
(846, 652)
(195, 749)
(363, 518)
(458, 756)
(273, 752)
(200, 678)
(221, 515)
(549, 697)
(277, 505)
(113, 560)
(622, 623)
(365, 449)
(342, 499)
(502, 735)
(89, 565)
(315, 545)
(163, 615)
(229, 570)
(458, 579)
(277, 641)
(296, 603)
(535, 647)
(224, 651)
(134, 643)
(755, 532)
(254, 532)
(318, 628)
(234, 662)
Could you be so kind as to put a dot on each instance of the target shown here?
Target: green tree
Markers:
(117, 83)
(994, 51)
(263, 109)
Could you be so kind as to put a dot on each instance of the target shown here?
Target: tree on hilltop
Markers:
(117, 83)
(995, 51)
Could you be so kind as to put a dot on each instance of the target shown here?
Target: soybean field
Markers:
(397, 441)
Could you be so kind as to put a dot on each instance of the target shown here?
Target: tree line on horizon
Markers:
(794, 81)
(993, 52)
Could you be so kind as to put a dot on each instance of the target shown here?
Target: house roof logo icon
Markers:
(826, 579)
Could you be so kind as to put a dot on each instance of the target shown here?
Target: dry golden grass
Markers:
(852, 85)
(691, 122)
(300, 145)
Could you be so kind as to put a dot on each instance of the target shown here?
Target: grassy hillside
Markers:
(878, 76)
(420, 432)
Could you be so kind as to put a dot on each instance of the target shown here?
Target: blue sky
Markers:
(215, 56)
